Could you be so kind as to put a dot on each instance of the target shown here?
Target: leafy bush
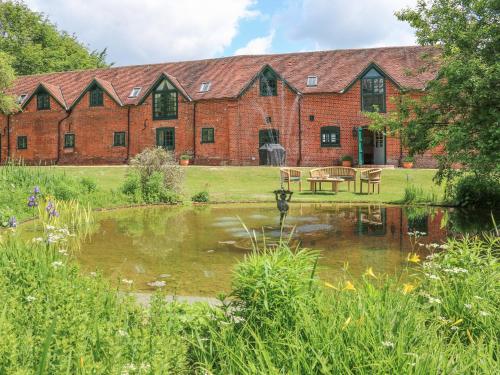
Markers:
(88, 184)
(471, 191)
(157, 159)
(408, 159)
(201, 197)
(346, 158)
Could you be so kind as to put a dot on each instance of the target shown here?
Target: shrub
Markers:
(65, 192)
(152, 188)
(157, 159)
(201, 197)
(88, 184)
(408, 159)
(471, 191)
(346, 158)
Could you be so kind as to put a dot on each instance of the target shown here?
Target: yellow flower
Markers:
(346, 323)
(349, 286)
(369, 272)
(413, 258)
(408, 288)
(327, 284)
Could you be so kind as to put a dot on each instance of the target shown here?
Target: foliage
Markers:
(346, 158)
(414, 194)
(37, 46)
(149, 190)
(471, 191)
(459, 113)
(201, 197)
(185, 157)
(159, 160)
(408, 159)
(7, 76)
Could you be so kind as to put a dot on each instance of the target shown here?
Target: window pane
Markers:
(43, 101)
(330, 136)
(96, 97)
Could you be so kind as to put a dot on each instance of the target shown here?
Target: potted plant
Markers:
(346, 160)
(184, 159)
(408, 162)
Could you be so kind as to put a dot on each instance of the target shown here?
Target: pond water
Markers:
(194, 249)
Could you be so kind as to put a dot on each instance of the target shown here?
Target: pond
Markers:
(194, 249)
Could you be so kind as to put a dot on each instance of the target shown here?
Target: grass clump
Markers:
(201, 197)
(414, 194)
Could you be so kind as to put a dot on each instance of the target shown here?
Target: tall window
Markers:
(69, 140)
(207, 135)
(22, 142)
(119, 139)
(373, 91)
(96, 97)
(330, 136)
(165, 137)
(164, 101)
(268, 83)
(42, 101)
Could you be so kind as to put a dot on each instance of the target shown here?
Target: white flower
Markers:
(430, 257)
(432, 276)
(30, 298)
(57, 264)
(157, 284)
(455, 270)
(50, 227)
(434, 300)
(484, 313)
(388, 344)
(93, 274)
(468, 306)
(443, 319)
(454, 328)
(127, 281)
(122, 333)
(37, 239)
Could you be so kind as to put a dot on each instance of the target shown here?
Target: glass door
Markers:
(165, 137)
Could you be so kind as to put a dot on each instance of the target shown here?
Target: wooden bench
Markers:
(370, 177)
(345, 173)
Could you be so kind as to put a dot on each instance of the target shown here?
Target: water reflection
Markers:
(197, 247)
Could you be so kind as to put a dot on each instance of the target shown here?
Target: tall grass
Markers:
(414, 194)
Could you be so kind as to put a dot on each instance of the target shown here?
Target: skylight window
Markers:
(312, 81)
(135, 92)
(21, 98)
(205, 86)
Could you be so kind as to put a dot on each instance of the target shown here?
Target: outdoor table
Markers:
(335, 181)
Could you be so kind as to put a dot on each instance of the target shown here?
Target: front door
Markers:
(165, 137)
(379, 148)
(371, 147)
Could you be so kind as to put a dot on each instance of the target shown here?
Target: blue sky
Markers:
(149, 31)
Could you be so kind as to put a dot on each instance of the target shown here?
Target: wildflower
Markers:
(157, 284)
(468, 306)
(434, 300)
(408, 288)
(30, 298)
(454, 328)
(455, 270)
(443, 319)
(433, 277)
(430, 257)
(434, 245)
(49, 207)
(63, 251)
(388, 344)
(36, 190)
(327, 284)
(37, 239)
(127, 281)
(57, 264)
(12, 223)
(349, 286)
(413, 258)
(32, 201)
(369, 272)
(484, 313)
(122, 333)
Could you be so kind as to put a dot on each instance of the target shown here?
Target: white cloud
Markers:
(257, 46)
(330, 24)
(150, 31)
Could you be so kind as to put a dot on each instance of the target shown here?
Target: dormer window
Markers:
(42, 101)
(20, 98)
(205, 86)
(164, 101)
(312, 81)
(373, 91)
(96, 96)
(268, 83)
(135, 92)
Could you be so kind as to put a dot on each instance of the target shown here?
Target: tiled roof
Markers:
(228, 76)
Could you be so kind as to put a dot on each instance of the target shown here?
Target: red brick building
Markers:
(219, 110)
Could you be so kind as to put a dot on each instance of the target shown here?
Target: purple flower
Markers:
(50, 207)
(32, 201)
(12, 223)
(36, 190)
(53, 213)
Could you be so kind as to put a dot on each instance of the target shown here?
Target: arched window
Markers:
(96, 97)
(164, 101)
(268, 83)
(373, 91)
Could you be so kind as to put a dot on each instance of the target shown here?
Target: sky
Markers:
(152, 31)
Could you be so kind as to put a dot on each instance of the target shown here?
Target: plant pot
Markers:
(184, 162)
(408, 164)
(347, 163)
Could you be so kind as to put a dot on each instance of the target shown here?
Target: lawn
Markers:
(247, 184)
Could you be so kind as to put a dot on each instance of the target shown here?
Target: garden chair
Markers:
(291, 175)
(370, 177)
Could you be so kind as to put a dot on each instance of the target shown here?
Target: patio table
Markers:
(314, 181)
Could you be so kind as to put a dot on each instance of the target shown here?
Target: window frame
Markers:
(372, 94)
(121, 134)
(329, 130)
(69, 144)
(265, 89)
(135, 90)
(42, 101)
(208, 135)
(167, 91)
(312, 81)
(25, 144)
(96, 101)
(162, 129)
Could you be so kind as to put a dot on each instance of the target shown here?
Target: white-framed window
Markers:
(135, 92)
(205, 86)
(20, 98)
(312, 81)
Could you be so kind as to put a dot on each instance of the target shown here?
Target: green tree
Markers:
(460, 108)
(37, 46)
(7, 76)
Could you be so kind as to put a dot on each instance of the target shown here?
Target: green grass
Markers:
(244, 184)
